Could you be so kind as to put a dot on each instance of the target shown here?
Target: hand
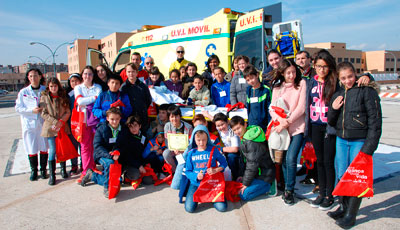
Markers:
(284, 122)
(115, 157)
(337, 103)
(159, 152)
(177, 152)
(156, 147)
(200, 175)
(212, 171)
(279, 128)
(239, 179)
(363, 81)
(142, 170)
(242, 189)
(37, 110)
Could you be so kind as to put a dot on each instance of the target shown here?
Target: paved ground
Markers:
(35, 205)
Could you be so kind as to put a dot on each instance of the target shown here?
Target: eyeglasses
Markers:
(322, 67)
(180, 52)
(149, 63)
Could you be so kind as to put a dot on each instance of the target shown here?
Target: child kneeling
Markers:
(196, 166)
(259, 171)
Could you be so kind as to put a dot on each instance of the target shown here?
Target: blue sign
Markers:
(210, 49)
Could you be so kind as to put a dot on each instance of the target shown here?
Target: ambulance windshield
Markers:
(250, 44)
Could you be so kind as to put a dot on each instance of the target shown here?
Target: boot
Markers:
(33, 161)
(43, 165)
(340, 211)
(63, 170)
(349, 218)
(52, 170)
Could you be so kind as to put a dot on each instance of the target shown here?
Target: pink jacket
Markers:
(295, 100)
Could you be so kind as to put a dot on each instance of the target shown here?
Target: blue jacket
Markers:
(105, 99)
(258, 110)
(197, 160)
(216, 88)
(150, 145)
(103, 143)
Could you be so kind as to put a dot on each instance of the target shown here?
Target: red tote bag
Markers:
(308, 156)
(232, 189)
(77, 122)
(114, 184)
(65, 150)
(212, 187)
(358, 178)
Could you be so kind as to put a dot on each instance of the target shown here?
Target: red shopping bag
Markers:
(65, 150)
(77, 122)
(358, 178)
(114, 184)
(232, 189)
(212, 187)
(149, 172)
(152, 110)
(168, 180)
(308, 156)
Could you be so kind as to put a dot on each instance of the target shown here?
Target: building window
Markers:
(362, 70)
(358, 60)
(267, 18)
(387, 69)
(391, 69)
(340, 59)
(358, 70)
(392, 59)
(398, 59)
(270, 44)
(352, 60)
(346, 59)
(268, 31)
(398, 69)
(387, 59)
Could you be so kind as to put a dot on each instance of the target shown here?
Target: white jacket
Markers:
(31, 123)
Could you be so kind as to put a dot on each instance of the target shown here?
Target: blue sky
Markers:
(362, 24)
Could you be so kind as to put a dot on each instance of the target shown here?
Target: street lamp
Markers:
(387, 52)
(51, 51)
(87, 47)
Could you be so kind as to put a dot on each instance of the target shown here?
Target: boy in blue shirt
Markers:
(112, 96)
(196, 166)
(153, 153)
(220, 89)
(258, 99)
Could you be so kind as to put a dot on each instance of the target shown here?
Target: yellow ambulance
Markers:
(225, 34)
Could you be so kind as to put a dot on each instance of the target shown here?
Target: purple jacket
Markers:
(178, 87)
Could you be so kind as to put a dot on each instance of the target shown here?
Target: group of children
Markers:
(338, 112)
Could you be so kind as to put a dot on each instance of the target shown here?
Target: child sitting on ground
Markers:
(174, 83)
(153, 152)
(112, 95)
(200, 95)
(158, 124)
(258, 98)
(220, 89)
(259, 170)
(196, 166)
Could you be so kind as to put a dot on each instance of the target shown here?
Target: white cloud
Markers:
(382, 46)
(358, 47)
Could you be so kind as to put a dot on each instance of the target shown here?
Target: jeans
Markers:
(234, 164)
(52, 148)
(325, 147)
(257, 188)
(289, 164)
(190, 205)
(176, 180)
(346, 151)
(103, 179)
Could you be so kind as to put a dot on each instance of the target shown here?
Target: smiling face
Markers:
(321, 68)
(198, 83)
(252, 80)
(114, 119)
(191, 71)
(34, 78)
(132, 74)
(175, 120)
(174, 77)
(347, 77)
(53, 88)
(148, 63)
(242, 64)
(239, 130)
(274, 59)
(182, 71)
(213, 63)
(289, 74)
(180, 52)
(201, 140)
(114, 85)
(235, 65)
(101, 72)
(74, 82)
(163, 115)
(219, 75)
(154, 77)
(87, 76)
(221, 126)
(136, 59)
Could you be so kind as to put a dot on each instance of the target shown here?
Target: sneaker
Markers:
(273, 191)
(74, 171)
(327, 204)
(87, 178)
(307, 181)
(317, 202)
(105, 192)
(288, 198)
(79, 180)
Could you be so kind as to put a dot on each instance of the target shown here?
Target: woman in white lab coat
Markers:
(27, 105)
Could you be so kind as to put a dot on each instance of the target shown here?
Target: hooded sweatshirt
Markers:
(197, 160)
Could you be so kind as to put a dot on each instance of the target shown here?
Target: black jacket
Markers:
(257, 157)
(360, 117)
(101, 141)
(131, 149)
(140, 98)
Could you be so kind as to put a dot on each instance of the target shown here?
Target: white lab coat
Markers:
(31, 123)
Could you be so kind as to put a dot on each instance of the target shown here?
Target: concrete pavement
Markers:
(35, 205)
